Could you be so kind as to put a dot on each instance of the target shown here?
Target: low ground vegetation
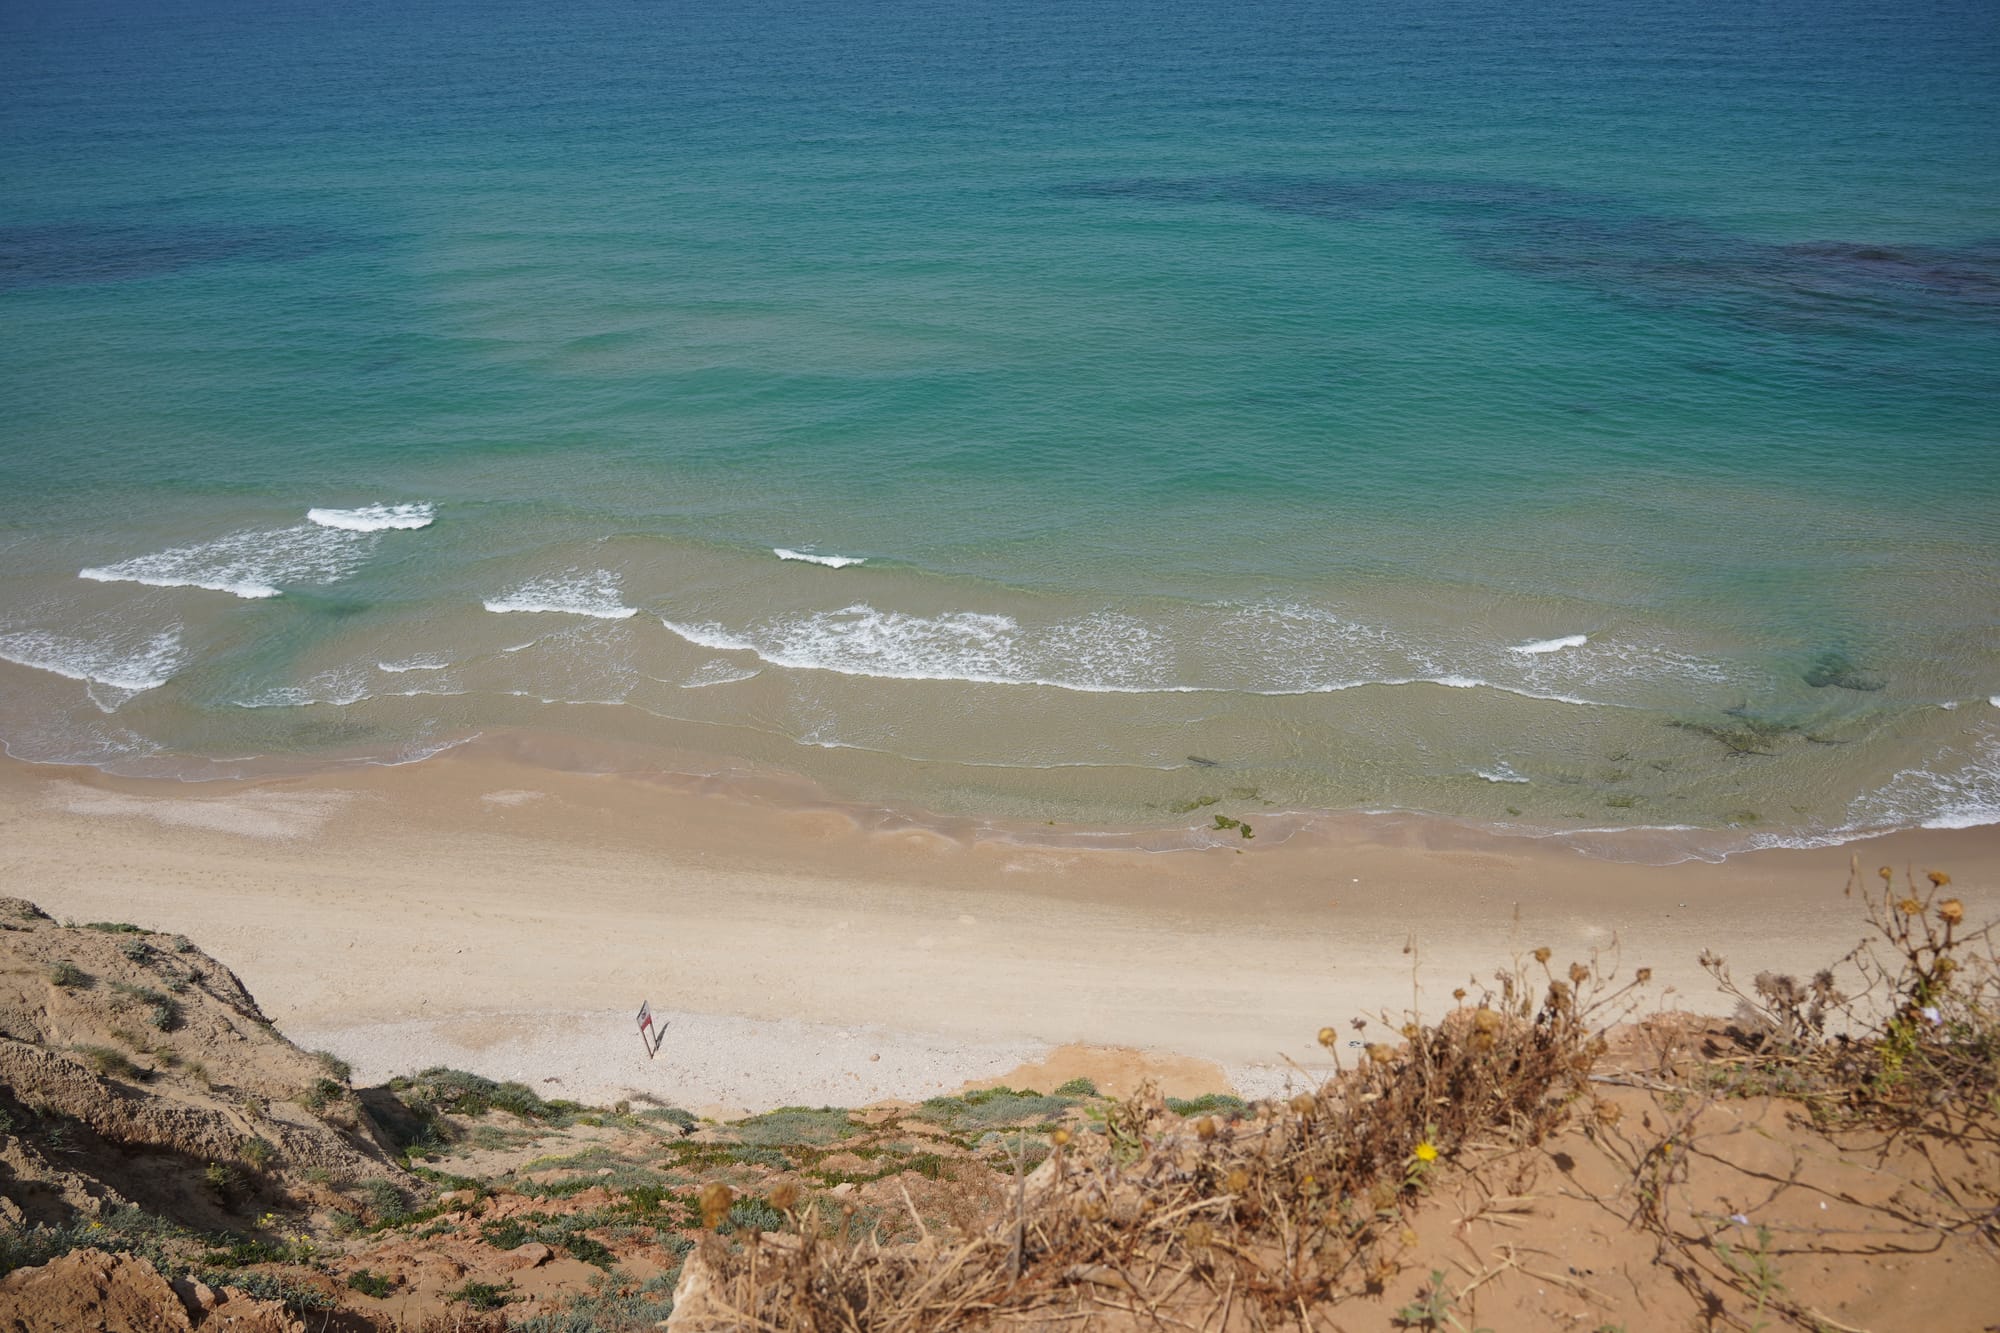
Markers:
(1558, 1150)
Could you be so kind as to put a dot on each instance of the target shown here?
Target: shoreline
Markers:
(480, 911)
(743, 778)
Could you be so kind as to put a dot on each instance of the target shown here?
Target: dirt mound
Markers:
(89, 1291)
(135, 1069)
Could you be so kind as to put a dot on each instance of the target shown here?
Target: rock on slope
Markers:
(90, 1291)
(135, 1069)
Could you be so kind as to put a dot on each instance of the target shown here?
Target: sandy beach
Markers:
(489, 914)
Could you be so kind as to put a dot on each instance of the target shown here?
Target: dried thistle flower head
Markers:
(1198, 1235)
(1236, 1181)
(1059, 1138)
(1458, 993)
(1411, 1031)
(1910, 907)
(1542, 954)
(1379, 1053)
(1486, 1020)
(1327, 1037)
(1303, 1104)
(1939, 879)
(1578, 973)
(716, 1199)
(1951, 911)
(1887, 874)
(785, 1197)
(1204, 1128)
(1643, 975)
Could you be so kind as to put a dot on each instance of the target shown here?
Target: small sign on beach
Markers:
(648, 1033)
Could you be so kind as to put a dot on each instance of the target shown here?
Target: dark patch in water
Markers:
(1836, 669)
(63, 255)
(1741, 734)
(1609, 247)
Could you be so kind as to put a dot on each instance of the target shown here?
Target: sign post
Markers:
(647, 1034)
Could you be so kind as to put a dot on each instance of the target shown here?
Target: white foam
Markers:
(1104, 654)
(1500, 773)
(124, 574)
(1955, 788)
(711, 636)
(576, 594)
(1995, 701)
(1551, 645)
(1476, 683)
(830, 561)
(415, 664)
(338, 688)
(130, 668)
(250, 565)
(718, 671)
(376, 518)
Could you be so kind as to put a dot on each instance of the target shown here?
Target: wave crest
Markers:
(830, 561)
(376, 518)
(595, 594)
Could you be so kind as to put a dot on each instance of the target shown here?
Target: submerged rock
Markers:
(1837, 670)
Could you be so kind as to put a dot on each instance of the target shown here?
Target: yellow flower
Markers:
(1427, 1152)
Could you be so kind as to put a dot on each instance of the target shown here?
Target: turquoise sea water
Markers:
(1563, 415)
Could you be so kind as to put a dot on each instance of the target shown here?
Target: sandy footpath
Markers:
(509, 919)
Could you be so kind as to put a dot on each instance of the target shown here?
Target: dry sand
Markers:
(483, 913)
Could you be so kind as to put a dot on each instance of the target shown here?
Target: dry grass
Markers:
(1906, 1026)
(1246, 1223)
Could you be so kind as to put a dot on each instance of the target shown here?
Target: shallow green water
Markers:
(1256, 384)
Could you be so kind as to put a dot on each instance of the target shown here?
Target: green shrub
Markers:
(993, 1108)
(385, 1203)
(114, 927)
(334, 1066)
(614, 1304)
(297, 1297)
(70, 977)
(755, 1156)
(257, 1153)
(165, 1008)
(754, 1215)
(1077, 1087)
(797, 1124)
(483, 1295)
(445, 1091)
(1209, 1103)
(321, 1094)
(221, 1180)
(108, 1062)
(673, 1115)
(370, 1284)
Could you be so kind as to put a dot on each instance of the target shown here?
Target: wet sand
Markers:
(476, 911)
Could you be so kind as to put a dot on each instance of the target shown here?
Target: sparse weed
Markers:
(109, 1062)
